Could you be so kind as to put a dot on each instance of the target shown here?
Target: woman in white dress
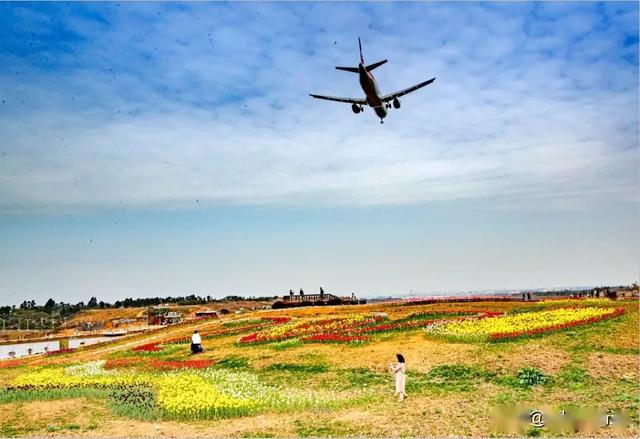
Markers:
(399, 372)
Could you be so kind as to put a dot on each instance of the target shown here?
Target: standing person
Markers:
(291, 294)
(301, 292)
(196, 343)
(528, 296)
(399, 372)
(321, 293)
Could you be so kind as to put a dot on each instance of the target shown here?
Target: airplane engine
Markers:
(396, 103)
(355, 108)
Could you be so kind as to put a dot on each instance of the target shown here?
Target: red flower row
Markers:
(149, 347)
(11, 363)
(60, 351)
(339, 330)
(114, 363)
(507, 335)
(418, 323)
(186, 364)
(266, 322)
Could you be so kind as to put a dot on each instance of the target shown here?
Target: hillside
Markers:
(321, 371)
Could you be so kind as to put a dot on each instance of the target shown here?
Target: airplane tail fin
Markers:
(369, 67)
(375, 65)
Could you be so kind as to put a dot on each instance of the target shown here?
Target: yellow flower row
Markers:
(183, 395)
(192, 396)
(525, 323)
(57, 378)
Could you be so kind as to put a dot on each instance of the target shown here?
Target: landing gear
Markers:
(381, 120)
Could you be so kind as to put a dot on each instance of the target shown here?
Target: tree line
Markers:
(30, 315)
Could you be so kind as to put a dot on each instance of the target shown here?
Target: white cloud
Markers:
(209, 103)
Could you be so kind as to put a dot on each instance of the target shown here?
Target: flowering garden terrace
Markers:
(319, 365)
(507, 327)
(356, 328)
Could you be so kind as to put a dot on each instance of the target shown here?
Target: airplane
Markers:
(372, 97)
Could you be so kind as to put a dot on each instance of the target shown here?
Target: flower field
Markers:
(230, 328)
(322, 371)
(521, 325)
(171, 394)
(355, 328)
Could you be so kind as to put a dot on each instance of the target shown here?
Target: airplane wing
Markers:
(397, 94)
(358, 101)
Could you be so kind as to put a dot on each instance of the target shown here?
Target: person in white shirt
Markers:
(196, 343)
(399, 370)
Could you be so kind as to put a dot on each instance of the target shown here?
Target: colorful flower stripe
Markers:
(412, 321)
(454, 312)
(508, 335)
(148, 347)
(116, 363)
(262, 324)
(307, 329)
(202, 394)
(353, 328)
(529, 323)
(60, 351)
(11, 363)
(334, 338)
(186, 364)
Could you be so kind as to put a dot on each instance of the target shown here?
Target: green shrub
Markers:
(134, 402)
(529, 376)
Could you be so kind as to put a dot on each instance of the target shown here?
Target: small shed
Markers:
(206, 313)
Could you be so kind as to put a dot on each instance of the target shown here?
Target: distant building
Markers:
(162, 315)
(206, 313)
(172, 317)
(91, 326)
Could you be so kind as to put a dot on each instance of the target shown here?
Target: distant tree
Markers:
(50, 304)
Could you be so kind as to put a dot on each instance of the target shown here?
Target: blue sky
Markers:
(156, 149)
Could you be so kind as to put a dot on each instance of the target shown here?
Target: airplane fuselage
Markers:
(373, 98)
(371, 91)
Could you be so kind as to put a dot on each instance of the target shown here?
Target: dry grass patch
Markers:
(604, 365)
(532, 354)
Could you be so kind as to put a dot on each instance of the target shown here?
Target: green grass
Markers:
(298, 368)
(233, 363)
(362, 377)
(239, 323)
(573, 377)
(286, 344)
(324, 428)
(256, 434)
(11, 395)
